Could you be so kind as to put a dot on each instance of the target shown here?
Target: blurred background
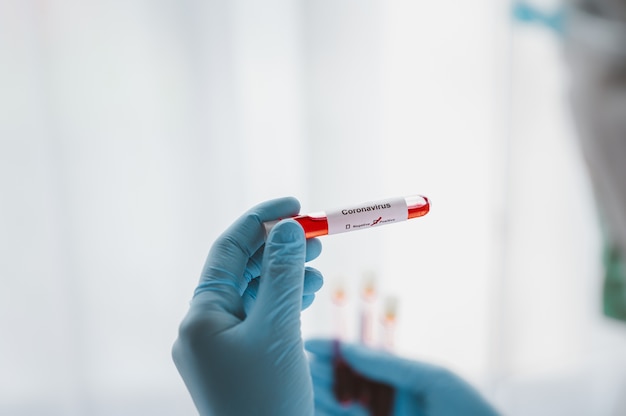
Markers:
(133, 132)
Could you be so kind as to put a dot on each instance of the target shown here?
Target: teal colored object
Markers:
(239, 348)
(420, 389)
(614, 288)
(527, 13)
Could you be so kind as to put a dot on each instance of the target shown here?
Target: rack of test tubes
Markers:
(375, 330)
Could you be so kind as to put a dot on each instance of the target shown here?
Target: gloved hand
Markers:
(420, 389)
(239, 348)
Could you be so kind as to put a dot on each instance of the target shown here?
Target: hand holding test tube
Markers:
(239, 348)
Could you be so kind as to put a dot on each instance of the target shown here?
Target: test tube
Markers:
(339, 298)
(361, 216)
(368, 296)
(389, 318)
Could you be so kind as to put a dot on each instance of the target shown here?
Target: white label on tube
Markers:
(366, 215)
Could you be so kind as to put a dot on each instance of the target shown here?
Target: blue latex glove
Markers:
(239, 348)
(420, 389)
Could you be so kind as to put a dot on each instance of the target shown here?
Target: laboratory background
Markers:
(132, 133)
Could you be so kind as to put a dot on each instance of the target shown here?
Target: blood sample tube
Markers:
(389, 322)
(368, 297)
(339, 298)
(361, 216)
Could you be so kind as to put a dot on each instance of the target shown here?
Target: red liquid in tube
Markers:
(366, 214)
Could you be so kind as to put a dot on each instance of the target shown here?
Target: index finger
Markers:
(226, 263)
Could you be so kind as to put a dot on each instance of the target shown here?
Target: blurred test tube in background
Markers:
(339, 300)
(389, 320)
(368, 297)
